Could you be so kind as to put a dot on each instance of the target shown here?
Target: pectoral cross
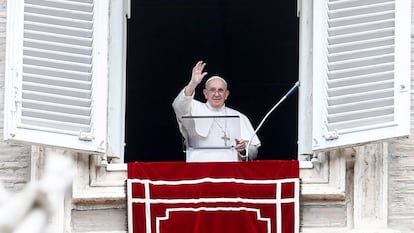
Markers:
(225, 138)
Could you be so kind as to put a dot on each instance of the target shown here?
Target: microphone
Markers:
(297, 84)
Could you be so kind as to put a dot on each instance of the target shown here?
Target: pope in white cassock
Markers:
(213, 123)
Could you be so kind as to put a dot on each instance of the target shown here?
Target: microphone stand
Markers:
(297, 84)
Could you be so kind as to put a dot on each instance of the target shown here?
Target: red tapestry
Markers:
(222, 197)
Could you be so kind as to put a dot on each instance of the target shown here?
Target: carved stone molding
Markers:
(327, 180)
(371, 189)
(96, 184)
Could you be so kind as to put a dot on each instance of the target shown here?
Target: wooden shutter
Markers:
(361, 71)
(56, 76)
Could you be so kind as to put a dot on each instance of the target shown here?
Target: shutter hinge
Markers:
(101, 146)
(331, 135)
(127, 8)
(403, 87)
(86, 136)
(298, 8)
(17, 100)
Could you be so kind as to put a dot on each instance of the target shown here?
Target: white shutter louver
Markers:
(54, 80)
(361, 72)
(57, 66)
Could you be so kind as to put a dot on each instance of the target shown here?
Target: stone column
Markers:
(55, 167)
(371, 190)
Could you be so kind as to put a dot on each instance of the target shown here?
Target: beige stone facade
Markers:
(362, 189)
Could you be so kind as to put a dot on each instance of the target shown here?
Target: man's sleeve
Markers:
(182, 104)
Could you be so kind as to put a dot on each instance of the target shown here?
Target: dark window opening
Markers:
(253, 44)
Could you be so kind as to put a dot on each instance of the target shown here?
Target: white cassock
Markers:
(212, 131)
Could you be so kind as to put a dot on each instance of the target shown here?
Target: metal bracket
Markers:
(331, 135)
(85, 136)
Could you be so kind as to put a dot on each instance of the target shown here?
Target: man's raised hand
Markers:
(198, 74)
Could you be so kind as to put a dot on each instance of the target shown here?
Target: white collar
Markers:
(221, 109)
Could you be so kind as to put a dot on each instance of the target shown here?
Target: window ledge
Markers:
(120, 167)
(117, 167)
(109, 181)
(305, 164)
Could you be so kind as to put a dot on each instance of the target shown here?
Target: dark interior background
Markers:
(253, 44)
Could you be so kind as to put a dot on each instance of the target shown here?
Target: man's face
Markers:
(216, 93)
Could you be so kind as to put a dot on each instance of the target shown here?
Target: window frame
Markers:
(110, 118)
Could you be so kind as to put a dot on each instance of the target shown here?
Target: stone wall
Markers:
(401, 171)
(401, 186)
(14, 160)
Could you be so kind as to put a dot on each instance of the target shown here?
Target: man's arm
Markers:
(182, 103)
